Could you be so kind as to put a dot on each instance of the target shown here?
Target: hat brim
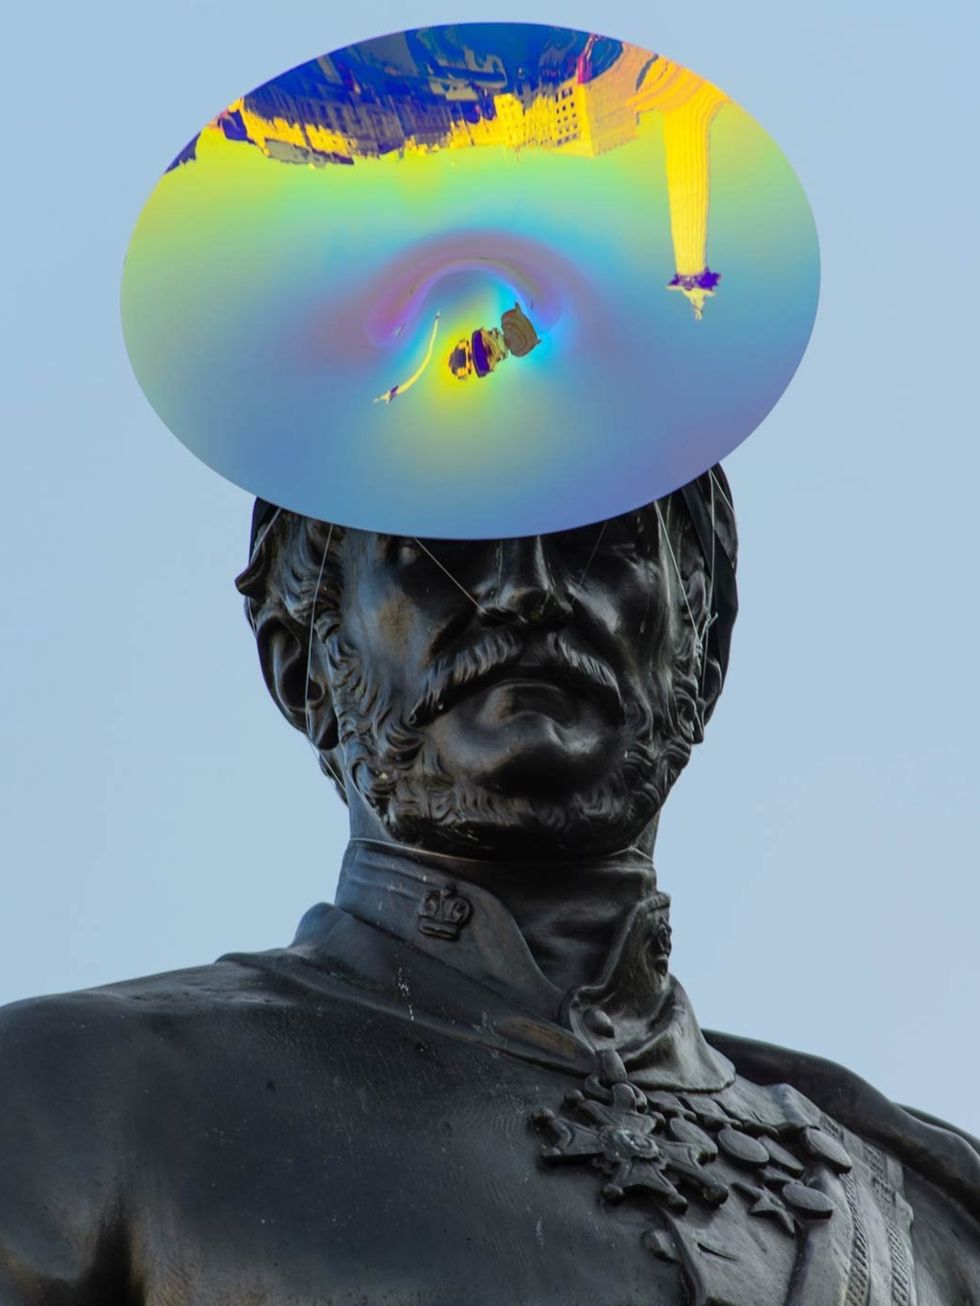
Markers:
(472, 281)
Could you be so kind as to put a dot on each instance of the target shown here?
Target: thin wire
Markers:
(680, 578)
(269, 524)
(316, 595)
(641, 852)
(595, 550)
(710, 616)
(309, 660)
(715, 481)
(714, 537)
(479, 607)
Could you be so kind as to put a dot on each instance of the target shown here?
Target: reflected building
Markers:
(187, 155)
(531, 88)
(688, 105)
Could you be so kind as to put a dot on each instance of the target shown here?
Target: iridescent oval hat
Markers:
(470, 281)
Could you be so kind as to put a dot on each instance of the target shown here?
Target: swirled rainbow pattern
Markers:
(472, 281)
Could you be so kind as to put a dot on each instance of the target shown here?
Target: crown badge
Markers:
(444, 913)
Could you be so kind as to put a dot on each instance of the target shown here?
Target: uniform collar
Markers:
(634, 1010)
(426, 900)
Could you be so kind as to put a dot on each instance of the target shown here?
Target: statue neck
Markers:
(566, 911)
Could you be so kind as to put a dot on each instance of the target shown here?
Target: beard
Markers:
(392, 760)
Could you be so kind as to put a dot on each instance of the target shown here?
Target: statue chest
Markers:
(405, 1169)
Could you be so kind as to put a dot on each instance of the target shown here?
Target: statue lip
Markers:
(556, 675)
(553, 659)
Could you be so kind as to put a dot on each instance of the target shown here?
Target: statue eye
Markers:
(613, 541)
(401, 550)
(407, 552)
(618, 545)
(448, 556)
(618, 538)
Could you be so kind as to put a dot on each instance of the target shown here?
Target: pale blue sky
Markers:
(821, 849)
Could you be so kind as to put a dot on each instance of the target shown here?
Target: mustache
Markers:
(551, 655)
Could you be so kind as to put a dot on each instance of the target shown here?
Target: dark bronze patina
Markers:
(473, 1078)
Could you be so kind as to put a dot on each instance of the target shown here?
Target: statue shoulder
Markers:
(69, 1053)
(45, 1041)
(112, 1018)
(945, 1156)
(85, 1079)
(59, 1051)
(120, 1006)
(63, 1077)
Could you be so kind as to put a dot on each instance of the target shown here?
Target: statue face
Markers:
(536, 694)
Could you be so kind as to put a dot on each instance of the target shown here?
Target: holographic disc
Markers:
(472, 281)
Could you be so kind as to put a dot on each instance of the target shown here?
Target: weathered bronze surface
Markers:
(473, 1079)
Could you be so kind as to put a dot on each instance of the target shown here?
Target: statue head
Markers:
(501, 698)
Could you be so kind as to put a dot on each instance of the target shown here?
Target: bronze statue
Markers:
(473, 1079)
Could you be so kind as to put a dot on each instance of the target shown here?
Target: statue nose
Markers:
(527, 588)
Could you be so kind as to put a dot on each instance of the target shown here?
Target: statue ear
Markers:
(301, 694)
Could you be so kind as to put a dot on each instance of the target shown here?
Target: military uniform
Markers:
(401, 1108)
